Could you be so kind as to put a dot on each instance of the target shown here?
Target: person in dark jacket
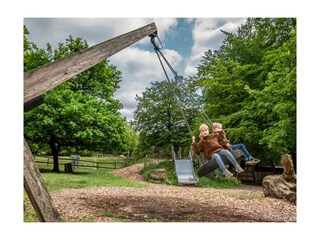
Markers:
(223, 141)
(212, 149)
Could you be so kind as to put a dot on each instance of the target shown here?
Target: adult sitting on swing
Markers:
(211, 148)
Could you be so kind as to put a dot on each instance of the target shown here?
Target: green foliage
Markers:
(158, 118)
(249, 85)
(81, 112)
(131, 139)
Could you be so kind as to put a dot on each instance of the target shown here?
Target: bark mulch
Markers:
(163, 203)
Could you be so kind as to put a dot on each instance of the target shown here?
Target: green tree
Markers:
(158, 118)
(249, 84)
(80, 112)
(131, 140)
(278, 98)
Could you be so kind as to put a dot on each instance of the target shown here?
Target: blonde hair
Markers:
(203, 126)
(216, 124)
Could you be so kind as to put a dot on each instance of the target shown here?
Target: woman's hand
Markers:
(193, 139)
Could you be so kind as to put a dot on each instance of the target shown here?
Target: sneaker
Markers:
(239, 169)
(227, 174)
(256, 160)
(252, 161)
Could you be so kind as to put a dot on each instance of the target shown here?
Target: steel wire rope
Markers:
(157, 49)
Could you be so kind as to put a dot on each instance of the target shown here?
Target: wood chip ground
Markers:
(164, 203)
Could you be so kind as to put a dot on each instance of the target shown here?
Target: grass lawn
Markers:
(84, 178)
(81, 178)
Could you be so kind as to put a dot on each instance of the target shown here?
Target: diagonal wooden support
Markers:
(40, 80)
(37, 190)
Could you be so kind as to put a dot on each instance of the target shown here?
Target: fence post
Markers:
(172, 152)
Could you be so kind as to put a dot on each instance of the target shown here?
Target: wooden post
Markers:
(37, 190)
(152, 150)
(145, 161)
(172, 153)
(68, 168)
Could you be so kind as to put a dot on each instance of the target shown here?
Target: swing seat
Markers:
(184, 170)
(211, 165)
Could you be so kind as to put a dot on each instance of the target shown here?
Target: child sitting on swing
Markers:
(211, 148)
(223, 141)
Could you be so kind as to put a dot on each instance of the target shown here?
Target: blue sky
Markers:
(184, 40)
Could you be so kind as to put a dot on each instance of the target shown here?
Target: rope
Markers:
(203, 114)
(157, 49)
(174, 94)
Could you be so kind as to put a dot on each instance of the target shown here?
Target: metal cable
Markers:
(157, 49)
(171, 84)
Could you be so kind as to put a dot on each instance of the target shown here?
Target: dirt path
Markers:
(166, 203)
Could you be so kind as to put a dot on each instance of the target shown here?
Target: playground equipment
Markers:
(184, 170)
(40, 80)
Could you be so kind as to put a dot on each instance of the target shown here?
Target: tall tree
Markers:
(249, 84)
(158, 118)
(80, 112)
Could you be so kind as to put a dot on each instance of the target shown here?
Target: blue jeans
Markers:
(243, 149)
(219, 161)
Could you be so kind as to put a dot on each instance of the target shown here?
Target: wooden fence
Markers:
(154, 154)
(78, 163)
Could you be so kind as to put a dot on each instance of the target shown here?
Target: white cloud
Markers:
(207, 35)
(94, 30)
(139, 68)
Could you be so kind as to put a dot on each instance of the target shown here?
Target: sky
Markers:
(184, 41)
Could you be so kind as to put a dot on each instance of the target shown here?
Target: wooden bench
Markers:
(237, 153)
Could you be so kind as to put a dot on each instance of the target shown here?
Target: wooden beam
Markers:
(37, 190)
(31, 104)
(38, 81)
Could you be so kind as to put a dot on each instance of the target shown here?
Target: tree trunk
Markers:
(55, 152)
